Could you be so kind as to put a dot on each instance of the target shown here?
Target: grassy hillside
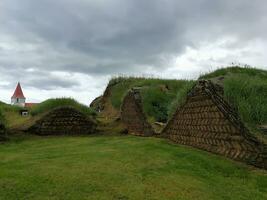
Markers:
(236, 70)
(117, 168)
(158, 94)
(121, 85)
(246, 89)
(57, 102)
(6, 108)
(11, 115)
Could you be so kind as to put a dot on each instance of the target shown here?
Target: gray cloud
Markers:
(51, 83)
(107, 37)
(39, 79)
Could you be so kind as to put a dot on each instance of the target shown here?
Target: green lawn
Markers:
(121, 167)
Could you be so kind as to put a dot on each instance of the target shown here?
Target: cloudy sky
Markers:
(72, 48)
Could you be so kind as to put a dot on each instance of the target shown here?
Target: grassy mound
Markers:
(64, 120)
(12, 118)
(58, 102)
(246, 89)
(236, 70)
(157, 94)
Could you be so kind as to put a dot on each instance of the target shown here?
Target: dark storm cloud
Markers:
(116, 36)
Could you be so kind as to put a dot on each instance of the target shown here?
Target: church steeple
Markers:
(18, 97)
(18, 92)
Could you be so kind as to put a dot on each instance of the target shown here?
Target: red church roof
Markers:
(18, 92)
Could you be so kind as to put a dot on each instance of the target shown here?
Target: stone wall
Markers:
(64, 121)
(207, 121)
(132, 114)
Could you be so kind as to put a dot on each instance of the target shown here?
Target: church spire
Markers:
(18, 92)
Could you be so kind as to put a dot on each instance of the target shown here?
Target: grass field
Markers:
(122, 168)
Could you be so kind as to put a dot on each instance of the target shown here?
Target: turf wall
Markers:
(132, 114)
(64, 121)
(206, 121)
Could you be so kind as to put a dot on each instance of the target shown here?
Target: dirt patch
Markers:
(207, 121)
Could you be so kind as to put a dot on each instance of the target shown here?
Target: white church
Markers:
(18, 98)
